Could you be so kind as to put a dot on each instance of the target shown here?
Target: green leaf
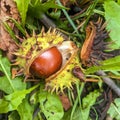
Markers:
(25, 110)
(112, 17)
(118, 1)
(67, 115)
(82, 113)
(22, 6)
(36, 9)
(106, 65)
(5, 81)
(14, 116)
(114, 110)
(55, 15)
(76, 115)
(7, 84)
(30, 24)
(12, 101)
(50, 105)
(87, 103)
(18, 83)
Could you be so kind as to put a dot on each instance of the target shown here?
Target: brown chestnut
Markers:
(47, 63)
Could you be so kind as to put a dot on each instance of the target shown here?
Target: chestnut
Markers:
(47, 63)
(50, 56)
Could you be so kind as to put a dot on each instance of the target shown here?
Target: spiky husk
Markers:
(34, 46)
(94, 47)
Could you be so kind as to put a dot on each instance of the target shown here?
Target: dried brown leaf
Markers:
(7, 44)
(65, 101)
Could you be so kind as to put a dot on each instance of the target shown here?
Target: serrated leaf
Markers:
(114, 110)
(12, 101)
(112, 17)
(50, 105)
(106, 65)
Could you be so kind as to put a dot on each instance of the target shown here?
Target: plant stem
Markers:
(109, 82)
(10, 31)
(77, 100)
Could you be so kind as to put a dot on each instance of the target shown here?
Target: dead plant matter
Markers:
(94, 48)
(8, 9)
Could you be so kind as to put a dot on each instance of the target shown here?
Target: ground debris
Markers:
(99, 111)
(65, 101)
(8, 9)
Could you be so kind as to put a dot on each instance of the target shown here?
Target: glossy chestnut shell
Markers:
(47, 63)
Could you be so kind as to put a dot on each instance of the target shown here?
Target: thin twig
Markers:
(50, 24)
(109, 82)
(47, 21)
